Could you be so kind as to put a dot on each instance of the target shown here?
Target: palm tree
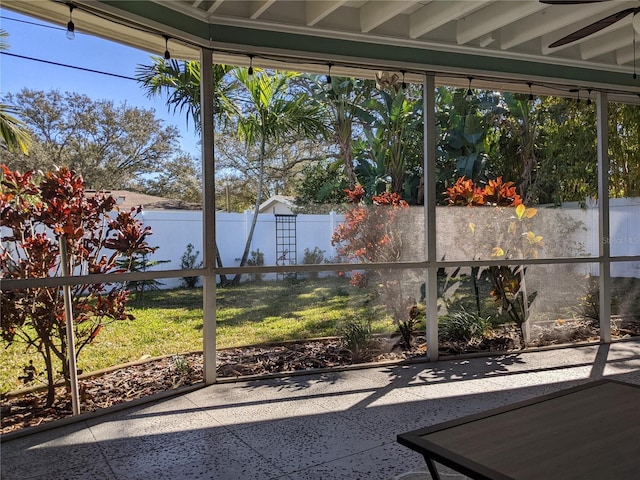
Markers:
(390, 137)
(180, 81)
(343, 99)
(13, 132)
(267, 113)
(259, 105)
(523, 121)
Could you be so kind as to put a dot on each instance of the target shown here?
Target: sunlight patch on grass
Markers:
(169, 322)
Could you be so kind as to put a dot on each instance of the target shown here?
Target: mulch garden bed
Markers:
(160, 375)
(135, 381)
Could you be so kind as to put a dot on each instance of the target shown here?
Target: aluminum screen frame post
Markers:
(71, 340)
(208, 219)
(602, 109)
(431, 280)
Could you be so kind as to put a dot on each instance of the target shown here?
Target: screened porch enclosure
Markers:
(555, 260)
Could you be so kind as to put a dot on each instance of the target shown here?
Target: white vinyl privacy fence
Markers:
(173, 230)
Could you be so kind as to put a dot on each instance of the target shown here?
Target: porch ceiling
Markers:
(484, 39)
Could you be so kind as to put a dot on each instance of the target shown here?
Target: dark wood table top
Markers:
(587, 432)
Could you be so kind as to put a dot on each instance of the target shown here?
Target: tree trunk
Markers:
(345, 149)
(343, 136)
(256, 210)
(475, 272)
(64, 358)
(524, 326)
(223, 278)
(51, 388)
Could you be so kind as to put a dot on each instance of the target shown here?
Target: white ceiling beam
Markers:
(374, 14)
(486, 40)
(318, 10)
(214, 6)
(436, 14)
(554, 36)
(626, 55)
(493, 17)
(546, 21)
(258, 7)
(611, 42)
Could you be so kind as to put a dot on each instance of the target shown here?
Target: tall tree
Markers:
(568, 169)
(283, 164)
(266, 114)
(343, 101)
(180, 179)
(180, 81)
(111, 146)
(321, 188)
(390, 135)
(624, 146)
(518, 130)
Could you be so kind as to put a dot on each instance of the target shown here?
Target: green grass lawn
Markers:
(170, 322)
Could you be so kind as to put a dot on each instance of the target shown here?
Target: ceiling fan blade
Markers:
(571, 2)
(594, 27)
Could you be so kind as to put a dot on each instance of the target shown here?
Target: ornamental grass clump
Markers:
(463, 326)
(356, 336)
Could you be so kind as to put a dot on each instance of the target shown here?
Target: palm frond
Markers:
(13, 132)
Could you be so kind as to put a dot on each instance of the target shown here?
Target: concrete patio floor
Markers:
(339, 425)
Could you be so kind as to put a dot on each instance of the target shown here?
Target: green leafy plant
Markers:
(256, 260)
(464, 326)
(390, 142)
(507, 227)
(188, 261)
(313, 257)
(589, 301)
(179, 364)
(140, 263)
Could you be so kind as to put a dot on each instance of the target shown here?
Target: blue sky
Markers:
(43, 42)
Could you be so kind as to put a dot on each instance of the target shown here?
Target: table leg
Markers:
(432, 468)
